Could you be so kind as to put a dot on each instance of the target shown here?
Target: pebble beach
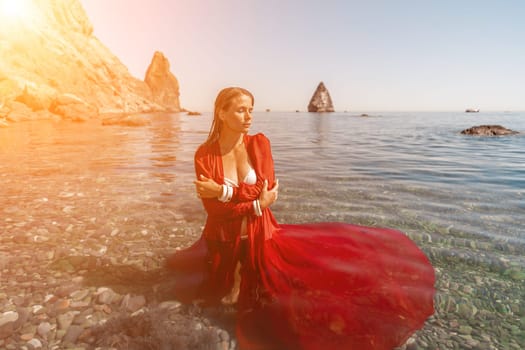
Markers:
(64, 289)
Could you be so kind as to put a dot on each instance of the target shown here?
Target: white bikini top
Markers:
(249, 179)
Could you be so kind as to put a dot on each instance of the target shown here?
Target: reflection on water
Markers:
(164, 141)
(42, 147)
(79, 175)
(320, 129)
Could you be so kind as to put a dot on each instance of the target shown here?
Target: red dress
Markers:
(311, 286)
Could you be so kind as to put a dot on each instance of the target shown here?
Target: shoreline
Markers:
(134, 119)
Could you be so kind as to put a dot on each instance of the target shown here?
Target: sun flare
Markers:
(14, 9)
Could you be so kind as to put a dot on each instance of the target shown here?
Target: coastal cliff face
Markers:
(53, 66)
(321, 100)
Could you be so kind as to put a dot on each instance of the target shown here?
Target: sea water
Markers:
(395, 166)
(126, 195)
(386, 168)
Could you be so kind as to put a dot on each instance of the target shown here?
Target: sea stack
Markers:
(162, 82)
(321, 100)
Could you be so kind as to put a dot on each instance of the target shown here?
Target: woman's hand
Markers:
(207, 188)
(268, 197)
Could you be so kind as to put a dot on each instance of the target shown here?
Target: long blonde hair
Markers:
(223, 102)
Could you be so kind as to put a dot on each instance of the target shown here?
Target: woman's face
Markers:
(238, 116)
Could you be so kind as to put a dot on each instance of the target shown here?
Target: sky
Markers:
(375, 55)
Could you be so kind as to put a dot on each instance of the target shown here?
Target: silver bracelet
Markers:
(230, 193)
(224, 195)
(227, 193)
(257, 207)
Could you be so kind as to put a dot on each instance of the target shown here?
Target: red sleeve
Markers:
(205, 165)
(263, 159)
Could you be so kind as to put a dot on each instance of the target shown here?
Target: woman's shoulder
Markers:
(205, 149)
(258, 139)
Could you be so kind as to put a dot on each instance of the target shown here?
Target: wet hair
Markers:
(223, 102)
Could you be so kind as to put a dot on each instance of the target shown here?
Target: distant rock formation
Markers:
(321, 100)
(52, 66)
(194, 113)
(162, 82)
(488, 130)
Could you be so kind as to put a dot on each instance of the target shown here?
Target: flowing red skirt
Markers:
(322, 286)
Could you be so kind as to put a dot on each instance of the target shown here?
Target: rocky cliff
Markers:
(52, 66)
(321, 100)
(163, 84)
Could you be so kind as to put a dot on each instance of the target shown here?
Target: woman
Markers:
(313, 286)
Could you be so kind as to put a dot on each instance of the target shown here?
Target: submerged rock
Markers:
(488, 130)
(321, 100)
(159, 328)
